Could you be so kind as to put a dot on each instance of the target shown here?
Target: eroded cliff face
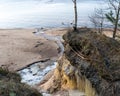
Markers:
(91, 64)
(71, 77)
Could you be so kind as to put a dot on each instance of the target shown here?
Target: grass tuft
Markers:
(10, 85)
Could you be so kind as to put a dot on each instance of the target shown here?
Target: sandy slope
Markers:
(20, 47)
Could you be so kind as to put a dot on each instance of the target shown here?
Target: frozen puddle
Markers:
(33, 74)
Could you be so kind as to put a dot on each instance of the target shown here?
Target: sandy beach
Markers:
(20, 47)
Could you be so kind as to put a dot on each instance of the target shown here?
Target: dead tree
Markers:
(98, 19)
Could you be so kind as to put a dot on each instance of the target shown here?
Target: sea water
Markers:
(45, 13)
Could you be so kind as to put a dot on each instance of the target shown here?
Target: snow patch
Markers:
(33, 74)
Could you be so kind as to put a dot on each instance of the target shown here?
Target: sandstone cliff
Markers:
(90, 63)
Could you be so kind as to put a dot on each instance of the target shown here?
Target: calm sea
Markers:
(43, 13)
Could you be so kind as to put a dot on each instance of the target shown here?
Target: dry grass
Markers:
(10, 85)
(103, 52)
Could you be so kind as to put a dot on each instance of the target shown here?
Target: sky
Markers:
(63, 1)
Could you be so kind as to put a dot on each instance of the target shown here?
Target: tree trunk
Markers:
(101, 28)
(116, 22)
(75, 10)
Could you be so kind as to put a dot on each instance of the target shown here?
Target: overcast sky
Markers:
(47, 0)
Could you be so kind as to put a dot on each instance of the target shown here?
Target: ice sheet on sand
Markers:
(33, 74)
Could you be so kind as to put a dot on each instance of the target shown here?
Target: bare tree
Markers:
(114, 14)
(98, 19)
(76, 16)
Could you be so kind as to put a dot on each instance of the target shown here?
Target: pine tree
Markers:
(114, 15)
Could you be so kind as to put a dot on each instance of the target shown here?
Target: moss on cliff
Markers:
(10, 85)
(102, 52)
(97, 57)
(90, 63)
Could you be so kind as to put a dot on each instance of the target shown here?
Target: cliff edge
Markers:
(90, 63)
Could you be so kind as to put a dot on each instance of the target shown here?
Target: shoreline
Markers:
(21, 43)
(20, 47)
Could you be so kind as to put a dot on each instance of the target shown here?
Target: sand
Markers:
(20, 47)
